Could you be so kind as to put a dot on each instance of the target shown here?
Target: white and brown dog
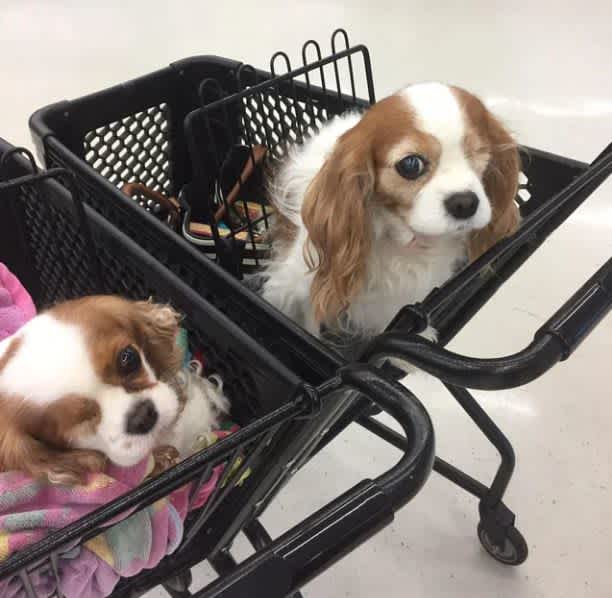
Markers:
(95, 378)
(379, 208)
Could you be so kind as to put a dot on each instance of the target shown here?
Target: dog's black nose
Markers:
(141, 418)
(462, 205)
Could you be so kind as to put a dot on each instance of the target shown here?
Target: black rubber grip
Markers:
(580, 314)
(309, 548)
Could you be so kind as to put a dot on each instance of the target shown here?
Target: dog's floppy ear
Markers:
(36, 440)
(159, 326)
(501, 186)
(336, 215)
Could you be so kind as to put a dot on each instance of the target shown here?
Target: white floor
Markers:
(546, 70)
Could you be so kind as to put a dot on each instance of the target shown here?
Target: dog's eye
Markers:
(411, 167)
(128, 360)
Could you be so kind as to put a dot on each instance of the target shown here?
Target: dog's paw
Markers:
(164, 458)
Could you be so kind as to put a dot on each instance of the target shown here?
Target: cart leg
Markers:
(488, 427)
(257, 535)
(496, 530)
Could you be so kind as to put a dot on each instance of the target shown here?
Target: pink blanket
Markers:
(16, 306)
(31, 509)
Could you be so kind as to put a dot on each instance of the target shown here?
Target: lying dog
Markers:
(96, 378)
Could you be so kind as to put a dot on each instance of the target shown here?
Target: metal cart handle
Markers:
(555, 341)
(318, 542)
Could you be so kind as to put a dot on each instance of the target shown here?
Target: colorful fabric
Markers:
(182, 340)
(16, 305)
(31, 509)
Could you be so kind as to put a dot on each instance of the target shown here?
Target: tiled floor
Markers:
(546, 70)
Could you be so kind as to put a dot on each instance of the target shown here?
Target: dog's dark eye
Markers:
(411, 167)
(128, 361)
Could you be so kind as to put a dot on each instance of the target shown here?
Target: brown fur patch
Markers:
(13, 347)
(61, 421)
(486, 135)
(112, 323)
(164, 458)
(283, 232)
(37, 440)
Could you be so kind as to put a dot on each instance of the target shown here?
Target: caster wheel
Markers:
(513, 551)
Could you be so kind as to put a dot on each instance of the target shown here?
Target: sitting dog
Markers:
(377, 209)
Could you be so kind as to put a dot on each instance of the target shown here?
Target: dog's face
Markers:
(427, 163)
(430, 172)
(91, 375)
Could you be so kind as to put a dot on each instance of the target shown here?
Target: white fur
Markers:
(205, 402)
(410, 254)
(110, 437)
(50, 363)
(439, 114)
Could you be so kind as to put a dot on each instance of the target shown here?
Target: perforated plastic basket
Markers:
(277, 109)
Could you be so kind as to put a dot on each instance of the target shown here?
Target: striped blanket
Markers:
(31, 509)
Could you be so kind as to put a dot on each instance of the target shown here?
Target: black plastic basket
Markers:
(62, 250)
(275, 110)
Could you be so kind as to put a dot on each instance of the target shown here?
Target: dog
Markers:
(377, 209)
(99, 378)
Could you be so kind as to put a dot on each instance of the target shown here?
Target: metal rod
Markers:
(443, 468)
(495, 436)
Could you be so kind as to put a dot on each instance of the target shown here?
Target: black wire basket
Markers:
(60, 250)
(210, 106)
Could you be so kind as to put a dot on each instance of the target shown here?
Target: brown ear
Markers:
(67, 467)
(501, 185)
(159, 326)
(31, 442)
(336, 213)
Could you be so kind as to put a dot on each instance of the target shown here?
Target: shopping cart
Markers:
(176, 130)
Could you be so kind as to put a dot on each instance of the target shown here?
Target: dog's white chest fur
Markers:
(395, 280)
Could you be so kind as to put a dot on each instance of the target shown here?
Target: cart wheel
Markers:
(513, 551)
